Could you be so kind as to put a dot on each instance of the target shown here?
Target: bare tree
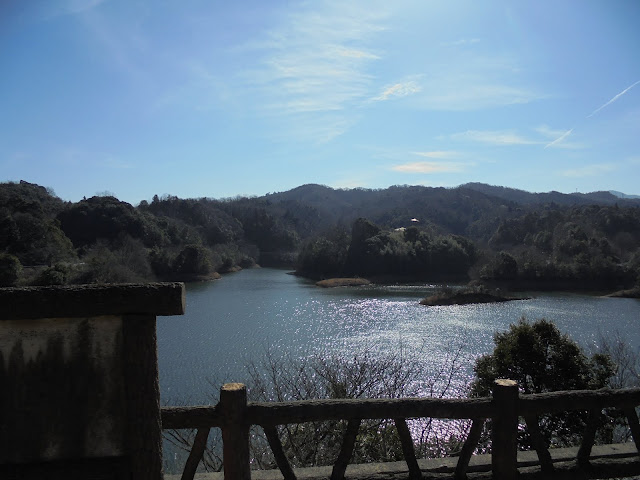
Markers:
(365, 373)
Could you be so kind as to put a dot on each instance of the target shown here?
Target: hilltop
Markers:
(496, 234)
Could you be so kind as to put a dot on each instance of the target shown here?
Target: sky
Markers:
(218, 99)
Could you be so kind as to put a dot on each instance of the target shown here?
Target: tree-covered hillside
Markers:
(489, 233)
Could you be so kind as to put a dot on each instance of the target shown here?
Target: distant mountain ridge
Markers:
(472, 209)
(623, 195)
(527, 198)
(590, 239)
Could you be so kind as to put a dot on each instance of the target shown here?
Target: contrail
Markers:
(613, 99)
(559, 139)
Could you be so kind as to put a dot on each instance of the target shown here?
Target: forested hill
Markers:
(489, 232)
(528, 198)
(448, 210)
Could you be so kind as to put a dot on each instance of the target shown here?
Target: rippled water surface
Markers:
(236, 319)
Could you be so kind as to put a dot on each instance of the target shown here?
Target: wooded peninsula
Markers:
(494, 235)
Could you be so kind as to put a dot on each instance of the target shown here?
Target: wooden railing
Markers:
(234, 415)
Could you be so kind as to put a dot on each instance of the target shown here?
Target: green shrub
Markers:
(10, 270)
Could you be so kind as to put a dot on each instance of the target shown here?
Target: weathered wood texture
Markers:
(144, 428)
(468, 448)
(318, 410)
(281, 413)
(346, 450)
(235, 432)
(634, 426)
(197, 450)
(278, 453)
(554, 402)
(588, 437)
(504, 430)
(504, 408)
(538, 443)
(92, 300)
(407, 448)
(192, 417)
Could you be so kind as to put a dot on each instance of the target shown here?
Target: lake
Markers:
(234, 320)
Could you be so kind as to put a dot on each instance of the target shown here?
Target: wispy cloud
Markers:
(461, 42)
(613, 99)
(560, 139)
(549, 132)
(354, 53)
(398, 90)
(121, 43)
(317, 59)
(429, 167)
(544, 136)
(467, 81)
(494, 137)
(454, 94)
(318, 128)
(590, 170)
(438, 154)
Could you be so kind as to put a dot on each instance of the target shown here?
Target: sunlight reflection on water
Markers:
(236, 319)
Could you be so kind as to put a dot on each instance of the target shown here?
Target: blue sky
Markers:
(213, 98)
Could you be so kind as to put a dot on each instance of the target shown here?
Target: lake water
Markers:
(236, 319)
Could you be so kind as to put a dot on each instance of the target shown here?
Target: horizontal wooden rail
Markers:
(207, 416)
(282, 413)
(504, 408)
(318, 410)
(554, 402)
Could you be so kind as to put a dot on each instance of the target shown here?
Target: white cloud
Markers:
(589, 170)
(438, 154)
(458, 95)
(558, 138)
(399, 90)
(429, 167)
(494, 137)
(317, 59)
(467, 81)
(461, 42)
(549, 132)
(558, 141)
(613, 99)
(319, 128)
(354, 53)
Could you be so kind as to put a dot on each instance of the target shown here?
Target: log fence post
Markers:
(504, 430)
(235, 432)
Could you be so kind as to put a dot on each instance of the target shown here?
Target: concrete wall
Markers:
(79, 393)
(62, 381)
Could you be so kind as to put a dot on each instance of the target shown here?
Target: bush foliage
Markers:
(542, 359)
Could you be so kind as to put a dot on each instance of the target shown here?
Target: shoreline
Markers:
(466, 298)
(517, 286)
(343, 282)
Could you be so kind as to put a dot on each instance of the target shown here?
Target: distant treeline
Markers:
(370, 251)
(489, 233)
